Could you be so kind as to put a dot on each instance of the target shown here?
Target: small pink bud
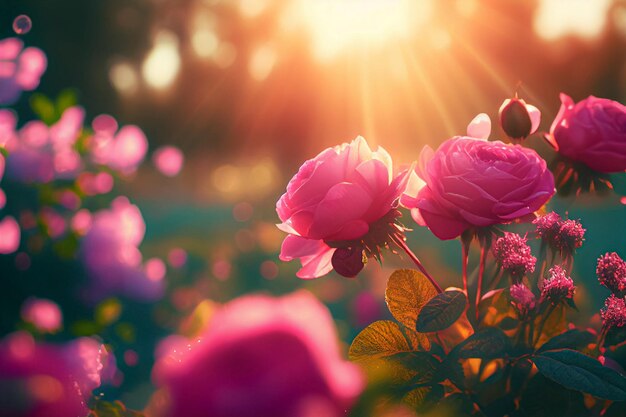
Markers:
(570, 236)
(523, 299)
(558, 286)
(614, 312)
(513, 254)
(611, 272)
(348, 262)
(548, 226)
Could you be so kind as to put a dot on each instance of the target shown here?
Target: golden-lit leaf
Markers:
(407, 292)
(555, 324)
(419, 341)
(378, 340)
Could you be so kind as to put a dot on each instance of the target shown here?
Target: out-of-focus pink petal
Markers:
(479, 127)
(2, 165)
(8, 123)
(10, 48)
(104, 124)
(65, 132)
(32, 64)
(314, 255)
(9, 235)
(155, 269)
(443, 227)
(129, 148)
(168, 160)
(44, 314)
(535, 117)
(3, 199)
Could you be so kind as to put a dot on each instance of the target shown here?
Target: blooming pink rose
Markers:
(261, 357)
(471, 182)
(592, 131)
(336, 196)
(20, 69)
(42, 380)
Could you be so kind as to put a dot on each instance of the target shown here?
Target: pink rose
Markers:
(471, 182)
(338, 196)
(261, 357)
(592, 131)
(48, 380)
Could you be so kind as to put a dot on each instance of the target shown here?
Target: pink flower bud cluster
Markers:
(514, 255)
(558, 286)
(614, 312)
(611, 272)
(522, 299)
(564, 235)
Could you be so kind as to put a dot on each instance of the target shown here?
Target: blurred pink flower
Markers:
(168, 160)
(44, 314)
(43, 380)
(592, 131)
(20, 69)
(336, 199)
(110, 253)
(122, 151)
(261, 357)
(81, 221)
(177, 257)
(38, 153)
(9, 235)
(470, 182)
(54, 222)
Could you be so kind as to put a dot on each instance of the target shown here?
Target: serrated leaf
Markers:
(407, 293)
(441, 311)
(489, 343)
(580, 372)
(418, 341)
(571, 339)
(378, 340)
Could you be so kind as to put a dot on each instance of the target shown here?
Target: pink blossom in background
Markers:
(45, 380)
(44, 314)
(261, 357)
(336, 196)
(121, 150)
(9, 235)
(177, 257)
(38, 153)
(20, 69)
(111, 255)
(3, 199)
(155, 269)
(94, 184)
(54, 222)
(469, 182)
(8, 124)
(69, 199)
(168, 160)
(81, 221)
(592, 131)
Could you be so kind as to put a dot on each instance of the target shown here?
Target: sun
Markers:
(337, 25)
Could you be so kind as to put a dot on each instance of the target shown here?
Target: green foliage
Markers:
(441, 311)
(489, 343)
(580, 372)
(50, 111)
(112, 409)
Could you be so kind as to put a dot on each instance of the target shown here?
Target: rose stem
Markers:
(481, 272)
(543, 322)
(400, 242)
(465, 256)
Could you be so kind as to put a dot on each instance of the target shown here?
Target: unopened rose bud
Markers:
(518, 119)
(348, 262)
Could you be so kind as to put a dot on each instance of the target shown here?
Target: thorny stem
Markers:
(402, 244)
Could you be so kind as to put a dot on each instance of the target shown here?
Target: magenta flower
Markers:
(168, 160)
(558, 286)
(44, 314)
(592, 131)
(614, 312)
(121, 150)
(611, 272)
(20, 69)
(42, 380)
(343, 198)
(111, 256)
(513, 254)
(518, 119)
(570, 236)
(470, 182)
(9, 235)
(548, 226)
(522, 299)
(261, 357)
(38, 153)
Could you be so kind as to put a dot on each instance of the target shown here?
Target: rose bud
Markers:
(518, 119)
(348, 262)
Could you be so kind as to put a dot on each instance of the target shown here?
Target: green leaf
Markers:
(423, 364)
(66, 99)
(441, 311)
(545, 398)
(407, 293)
(489, 343)
(44, 108)
(571, 339)
(580, 372)
(378, 340)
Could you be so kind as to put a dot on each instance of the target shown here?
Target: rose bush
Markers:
(592, 131)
